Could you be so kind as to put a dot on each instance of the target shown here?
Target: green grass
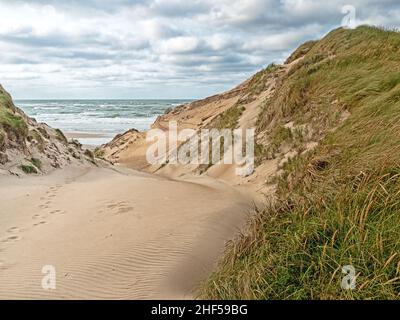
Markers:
(99, 153)
(259, 80)
(9, 121)
(5, 100)
(88, 153)
(61, 137)
(2, 138)
(338, 205)
(13, 122)
(35, 135)
(36, 162)
(228, 119)
(301, 51)
(28, 169)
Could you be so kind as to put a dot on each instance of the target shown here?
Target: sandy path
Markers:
(112, 234)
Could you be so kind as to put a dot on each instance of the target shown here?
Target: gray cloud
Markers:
(158, 48)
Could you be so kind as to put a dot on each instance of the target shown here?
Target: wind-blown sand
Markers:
(113, 233)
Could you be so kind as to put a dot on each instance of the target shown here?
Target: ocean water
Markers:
(98, 120)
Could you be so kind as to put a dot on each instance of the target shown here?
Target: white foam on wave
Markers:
(101, 116)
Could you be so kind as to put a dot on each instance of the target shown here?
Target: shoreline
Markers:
(77, 135)
(88, 139)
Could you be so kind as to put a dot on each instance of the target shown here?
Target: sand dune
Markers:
(112, 233)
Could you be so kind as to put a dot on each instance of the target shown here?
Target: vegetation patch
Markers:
(228, 119)
(5, 100)
(99, 153)
(301, 51)
(2, 138)
(259, 81)
(61, 137)
(36, 162)
(337, 205)
(28, 169)
(35, 135)
(13, 122)
(88, 153)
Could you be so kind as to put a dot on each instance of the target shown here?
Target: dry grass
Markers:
(338, 205)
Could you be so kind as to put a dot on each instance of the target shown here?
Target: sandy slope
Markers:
(112, 233)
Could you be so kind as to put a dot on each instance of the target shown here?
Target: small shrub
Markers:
(2, 138)
(88, 153)
(36, 162)
(28, 169)
(99, 153)
(61, 137)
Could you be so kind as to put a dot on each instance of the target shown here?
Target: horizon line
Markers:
(110, 99)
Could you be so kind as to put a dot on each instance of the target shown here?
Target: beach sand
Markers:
(78, 135)
(113, 233)
(90, 140)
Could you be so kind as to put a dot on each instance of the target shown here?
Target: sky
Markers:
(155, 49)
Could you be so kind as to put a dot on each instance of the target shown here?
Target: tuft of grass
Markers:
(259, 80)
(6, 100)
(13, 122)
(339, 204)
(99, 153)
(2, 138)
(61, 137)
(36, 162)
(88, 153)
(28, 169)
(35, 135)
(10, 121)
(301, 51)
(228, 119)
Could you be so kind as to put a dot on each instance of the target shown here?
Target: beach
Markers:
(113, 233)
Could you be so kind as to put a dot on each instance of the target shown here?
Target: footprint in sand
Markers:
(39, 223)
(57, 212)
(119, 207)
(13, 229)
(11, 239)
(124, 209)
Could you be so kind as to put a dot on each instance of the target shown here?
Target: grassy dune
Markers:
(9, 120)
(339, 204)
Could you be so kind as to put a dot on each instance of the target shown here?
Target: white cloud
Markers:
(155, 48)
(180, 45)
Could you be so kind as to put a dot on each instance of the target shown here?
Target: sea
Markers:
(95, 122)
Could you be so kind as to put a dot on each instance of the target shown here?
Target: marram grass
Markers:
(340, 204)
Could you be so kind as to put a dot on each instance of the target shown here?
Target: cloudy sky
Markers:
(158, 48)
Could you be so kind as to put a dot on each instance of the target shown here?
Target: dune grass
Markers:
(13, 122)
(61, 137)
(8, 119)
(28, 169)
(228, 119)
(36, 162)
(340, 204)
(2, 137)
